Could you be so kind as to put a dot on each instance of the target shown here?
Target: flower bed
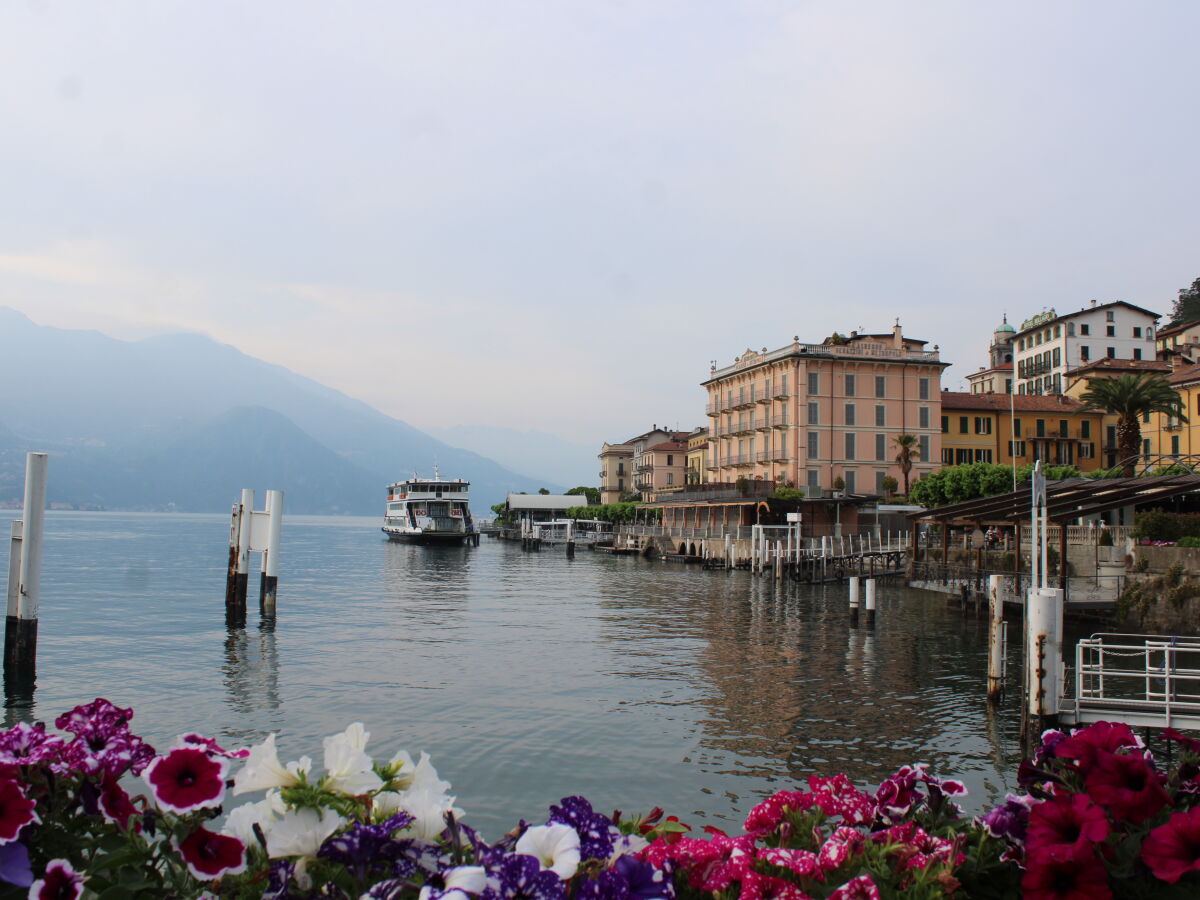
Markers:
(1100, 818)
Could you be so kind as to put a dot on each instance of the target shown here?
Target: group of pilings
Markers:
(253, 531)
(870, 605)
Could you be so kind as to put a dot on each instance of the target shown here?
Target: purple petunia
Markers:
(103, 742)
(519, 876)
(1009, 820)
(594, 829)
(363, 844)
(26, 744)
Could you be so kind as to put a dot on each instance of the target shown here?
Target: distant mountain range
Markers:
(536, 452)
(181, 422)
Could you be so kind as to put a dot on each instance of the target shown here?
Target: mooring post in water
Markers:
(235, 527)
(1043, 657)
(243, 550)
(995, 676)
(14, 567)
(270, 559)
(21, 626)
(853, 599)
(728, 552)
(870, 602)
(570, 538)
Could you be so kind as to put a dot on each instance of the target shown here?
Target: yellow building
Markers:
(1019, 429)
(697, 457)
(1167, 435)
(1077, 384)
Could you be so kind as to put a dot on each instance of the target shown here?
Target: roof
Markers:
(1186, 375)
(544, 501)
(670, 445)
(1177, 329)
(1066, 500)
(1088, 309)
(1006, 402)
(1003, 367)
(1105, 365)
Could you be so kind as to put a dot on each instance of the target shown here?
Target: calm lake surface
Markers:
(527, 676)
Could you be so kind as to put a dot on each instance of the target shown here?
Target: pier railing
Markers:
(1083, 591)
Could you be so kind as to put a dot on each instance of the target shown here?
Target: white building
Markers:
(1047, 345)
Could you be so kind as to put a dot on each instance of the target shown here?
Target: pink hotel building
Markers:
(807, 414)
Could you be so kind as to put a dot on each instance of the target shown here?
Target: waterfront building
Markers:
(627, 465)
(1077, 384)
(534, 508)
(1048, 345)
(1165, 435)
(664, 468)
(697, 457)
(1018, 429)
(810, 414)
(997, 377)
(1180, 343)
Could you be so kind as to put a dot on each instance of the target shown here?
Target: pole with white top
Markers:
(21, 625)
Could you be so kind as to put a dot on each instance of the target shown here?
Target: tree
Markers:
(1187, 307)
(592, 494)
(543, 491)
(908, 449)
(889, 485)
(1129, 397)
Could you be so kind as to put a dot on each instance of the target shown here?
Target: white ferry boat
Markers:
(430, 511)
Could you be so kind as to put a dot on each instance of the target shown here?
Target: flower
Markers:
(1102, 737)
(837, 796)
(103, 741)
(26, 744)
(556, 847)
(710, 865)
(642, 880)
(16, 810)
(1077, 875)
(521, 875)
(767, 815)
(457, 883)
(241, 819)
(595, 830)
(838, 848)
(116, 805)
(301, 832)
(1173, 849)
(803, 862)
(365, 844)
(263, 769)
(1066, 821)
(210, 746)
(187, 778)
(209, 855)
(1127, 785)
(860, 888)
(14, 864)
(351, 771)
(1010, 819)
(60, 882)
(756, 886)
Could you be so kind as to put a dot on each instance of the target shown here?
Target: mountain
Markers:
(106, 407)
(543, 456)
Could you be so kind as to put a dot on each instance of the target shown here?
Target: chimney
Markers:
(897, 336)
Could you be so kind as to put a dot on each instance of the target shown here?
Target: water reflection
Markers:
(251, 670)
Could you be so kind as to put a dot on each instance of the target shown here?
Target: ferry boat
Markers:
(430, 511)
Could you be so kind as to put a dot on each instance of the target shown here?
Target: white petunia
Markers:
(627, 844)
(428, 809)
(241, 820)
(459, 882)
(301, 832)
(263, 770)
(555, 846)
(350, 768)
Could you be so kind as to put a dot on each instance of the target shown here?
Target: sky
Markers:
(557, 215)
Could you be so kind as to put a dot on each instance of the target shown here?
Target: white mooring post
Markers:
(270, 555)
(21, 626)
(243, 550)
(870, 602)
(1043, 618)
(14, 567)
(995, 676)
(853, 599)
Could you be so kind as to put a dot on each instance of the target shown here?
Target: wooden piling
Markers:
(995, 676)
(870, 602)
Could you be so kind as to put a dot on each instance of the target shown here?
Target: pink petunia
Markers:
(209, 855)
(211, 747)
(185, 779)
(1127, 785)
(860, 888)
(756, 886)
(1066, 821)
(60, 882)
(1076, 875)
(803, 862)
(116, 805)
(766, 816)
(16, 810)
(1102, 737)
(1173, 849)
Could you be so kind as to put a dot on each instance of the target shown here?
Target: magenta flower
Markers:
(103, 742)
(714, 864)
(837, 796)
(860, 888)
(209, 855)
(1126, 785)
(767, 815)
(1172, 850)
(185, 779)
(16, 811)
(1102, 737)
(838, 847)
(26, 744)
(60, 882)
(1077, 875)
(1010, 820)
(803, 862)
(211, 747)
(1066, 822)
(767, 887)
(116, 805)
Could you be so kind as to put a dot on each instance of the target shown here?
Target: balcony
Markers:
(763, 397)
(779, 420)
(781, 455)
(762, 423)
(713, 409)
(781, 392)
(745, 401)
(745, 426)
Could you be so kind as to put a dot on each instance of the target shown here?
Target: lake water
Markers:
(527, 676)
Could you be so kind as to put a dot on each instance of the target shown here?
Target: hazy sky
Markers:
(553, 215)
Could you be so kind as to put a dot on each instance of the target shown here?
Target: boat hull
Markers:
(426, 537)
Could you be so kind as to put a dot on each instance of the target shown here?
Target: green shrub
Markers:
(1106, 538)
(1160, 525)
(787, 493)
(1188, 541)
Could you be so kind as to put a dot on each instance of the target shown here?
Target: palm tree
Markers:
(909, 450)
(1130, 397)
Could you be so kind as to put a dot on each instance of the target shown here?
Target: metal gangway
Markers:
(1139, 679)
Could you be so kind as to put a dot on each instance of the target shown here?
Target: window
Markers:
(814, 480)
(1084, 328)
(880, 474)
(947, 456)
(849, 385)
(814, 413)
(924, 439)
(946, 419)
(851, 479)
(1174, 445)
(670, 478)
(1056, 357)
(850, 416)
(1137, 352)
(1146, 418)
(1070, 329)
(814, 382)
(1137, 331)
(880, 416)
(1087, 450)
(923, 389)
(1016, 427)
(1041, 427)
(1110, 330)
(1146, 447)
(814, 444)
(880, 386)
(962, 456)
(1111, 352)
(1085, 429)
(1064, 428)
(1016, 448)
(620, 468)
(923, 417)
(850, 448)
(1058, 331)
(983, 425)
(1084, 352)
(964, 424)
(1110, 316)
(983, 455)
(1038, 341)
(783, 386)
